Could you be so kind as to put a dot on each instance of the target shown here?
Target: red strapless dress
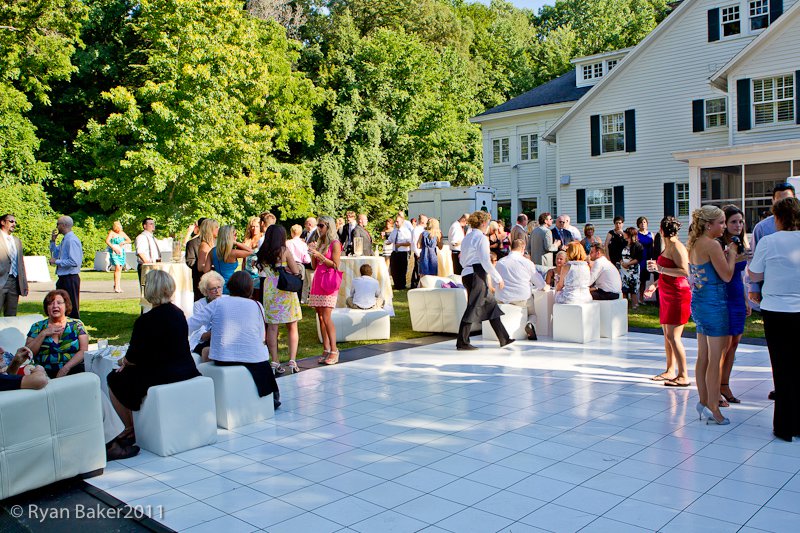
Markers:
(675, 296)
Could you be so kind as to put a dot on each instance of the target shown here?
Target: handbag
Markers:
(329, 282)
(287, 281)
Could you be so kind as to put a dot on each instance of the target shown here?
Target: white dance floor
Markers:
(539, 436)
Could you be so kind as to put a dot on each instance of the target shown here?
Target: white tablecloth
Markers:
(103, 361)
(350, 267)
(445, 259)
(182, 274)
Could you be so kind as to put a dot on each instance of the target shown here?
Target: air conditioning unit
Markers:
(435, 185)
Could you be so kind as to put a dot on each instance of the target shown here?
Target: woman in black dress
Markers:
(615, 241)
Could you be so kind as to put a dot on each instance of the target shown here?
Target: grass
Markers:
(647, 317)
(113, 320)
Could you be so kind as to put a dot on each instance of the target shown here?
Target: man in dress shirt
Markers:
(147, 251)
(541, 243)
(400, 237)
(561, 233)
(575, 232)
(68, 258)
(454, 237)
(605, 281)
(412, 276)
(366, 291)
(13, 281)
(362, 231)
(519, 275)
(520, 230)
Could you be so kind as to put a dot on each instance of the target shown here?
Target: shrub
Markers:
(35, 218)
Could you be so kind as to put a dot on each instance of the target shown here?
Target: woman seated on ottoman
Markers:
(239, 332)
(158, 352)
(58, 342)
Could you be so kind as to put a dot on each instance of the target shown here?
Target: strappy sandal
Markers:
(333, 358)
(277, 368)
(321, 360)
(293, 368)
(729, 397)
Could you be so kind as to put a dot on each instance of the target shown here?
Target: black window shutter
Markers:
(619, 201)
(580, 196)
(594, 124)
(669, 199)
(743, 104)
(630, 130)
(698, 115)
(713, 25)
(775, 10)
(796, 97)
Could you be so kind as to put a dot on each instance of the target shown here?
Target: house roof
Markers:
(720, 77)
(672, 18)
(561, 89)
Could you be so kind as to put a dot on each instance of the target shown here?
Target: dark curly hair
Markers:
(670, 226)
(787, 211)
(50, 296)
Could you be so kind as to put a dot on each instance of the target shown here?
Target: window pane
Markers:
(523, 148)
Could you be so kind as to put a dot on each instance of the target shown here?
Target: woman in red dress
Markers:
(675, 296)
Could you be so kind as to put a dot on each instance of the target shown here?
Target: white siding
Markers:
(659, 84)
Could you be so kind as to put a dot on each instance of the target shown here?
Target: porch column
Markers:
(694, 188)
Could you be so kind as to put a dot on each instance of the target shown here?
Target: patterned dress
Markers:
(53, 355)
(117, 259)
(280, 307)
(630, 275)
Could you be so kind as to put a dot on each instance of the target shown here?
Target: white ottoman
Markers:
(359, 325)
(613, 318)
(177, 417)
(543, 302)
(236, 396)
(576, 322)
(514, 319)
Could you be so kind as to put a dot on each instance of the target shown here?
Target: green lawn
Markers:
(647, 317)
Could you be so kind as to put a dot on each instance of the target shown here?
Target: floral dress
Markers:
(53, 355)
(280, 307)
(630, 275)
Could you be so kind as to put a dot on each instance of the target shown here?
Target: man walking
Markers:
(68, 258)
(13, 281)
(147, 251)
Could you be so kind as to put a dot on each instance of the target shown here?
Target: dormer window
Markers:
(759, 14)
(731, 21)
(611, 63)
(593, 71)
(742, 17)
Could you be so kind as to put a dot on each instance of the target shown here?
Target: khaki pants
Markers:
(308, 277)
(351, 305)
(524, 303)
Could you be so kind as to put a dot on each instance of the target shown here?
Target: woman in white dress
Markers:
(573, 285)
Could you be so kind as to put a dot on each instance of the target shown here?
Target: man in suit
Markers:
(362, 231)
(347, 233)
(541, 244)
(520, 230)
(190, 257)
(13, 281)
(310, 230)
(561, 233)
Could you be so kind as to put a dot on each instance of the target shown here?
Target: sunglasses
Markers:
(320, 225)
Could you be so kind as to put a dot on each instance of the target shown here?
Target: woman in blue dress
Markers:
(429, 242)
(710, 268)
(226, 254)
(646, 239)
(115, 240)
(735, 236)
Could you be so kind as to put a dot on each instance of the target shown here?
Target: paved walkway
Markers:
(90, 290)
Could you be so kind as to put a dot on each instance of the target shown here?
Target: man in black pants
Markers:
(68, 258)
(398, 263)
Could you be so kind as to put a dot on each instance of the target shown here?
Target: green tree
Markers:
(208, 121)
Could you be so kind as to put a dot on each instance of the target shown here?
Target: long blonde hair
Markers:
(225, 241)
(207, 228)
(249, 233)
(433, 228)
(325, 239)
(701, 217)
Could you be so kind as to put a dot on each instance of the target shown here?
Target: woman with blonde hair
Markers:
(209, 229)
(575, 278)
(711, 268)
(252, 238)
(226, 254)
(554, 274)
(477, 268)
(428, 243)
(325, 257)
(115, 240)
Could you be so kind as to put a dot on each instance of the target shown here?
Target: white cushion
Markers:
(543, 302)
(14, 330)
(359, 324)
(576, 322)
(437, 310)
(613, 318)
(50, 434)
(177, 417)
(236, 396)
(514, 319)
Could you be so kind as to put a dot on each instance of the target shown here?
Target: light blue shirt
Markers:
(762, 229)
(68, 256)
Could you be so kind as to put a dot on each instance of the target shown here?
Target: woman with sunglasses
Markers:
(325, 255)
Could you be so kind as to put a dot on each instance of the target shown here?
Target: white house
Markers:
(623, 147)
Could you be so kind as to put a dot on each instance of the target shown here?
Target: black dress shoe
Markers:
(531, 332)
(509, 341)
(787, 438)
(771, 395)
(466, 347)
(116, 452)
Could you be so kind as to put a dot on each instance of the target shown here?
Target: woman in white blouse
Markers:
(476, 264)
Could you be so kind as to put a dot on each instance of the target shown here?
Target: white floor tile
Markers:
(559, 519)
(723, 509)
(473, 520)
(349, 511)
(768, 519)
(642, 514)
(429, 508)
(388, 522)
(226, 523)
(389, 494)
(237, 499)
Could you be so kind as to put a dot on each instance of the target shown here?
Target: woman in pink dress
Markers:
(324, 291)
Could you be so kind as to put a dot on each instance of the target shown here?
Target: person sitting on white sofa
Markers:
(520, 276)
(606, 283)
(365, 292)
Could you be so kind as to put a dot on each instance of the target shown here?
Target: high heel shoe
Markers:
(321, 360)
(724, 422)
(333, 358)
(730, 398)
(277, 368)
(293, 368)
(701, 410)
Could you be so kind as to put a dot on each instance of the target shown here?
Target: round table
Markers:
(182, 274)
(350, 266)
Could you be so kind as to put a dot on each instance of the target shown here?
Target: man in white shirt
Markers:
(520, 275)
(605, 281)
(412, 276)
(366, 291)
(13, 281)
(454, 237)
(576, 234)
(400, 238)
(147, 251)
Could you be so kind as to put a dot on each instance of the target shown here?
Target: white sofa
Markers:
(236, 397)
(435, 309)
(514, 319)
(14, 330)
(177, 417)
(50, 434)
(359, 325)
(578, 323)
(613, 318)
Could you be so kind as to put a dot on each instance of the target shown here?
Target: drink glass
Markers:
(102, 343)
(651, 265)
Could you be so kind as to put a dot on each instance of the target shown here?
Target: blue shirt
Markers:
(68, 256)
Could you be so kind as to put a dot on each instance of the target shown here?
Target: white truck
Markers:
(439, 200)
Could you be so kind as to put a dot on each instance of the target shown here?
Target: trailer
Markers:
(439, 200)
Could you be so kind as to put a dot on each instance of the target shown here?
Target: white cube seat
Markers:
(543, 302)
(177, 417)
(359, 324)
(578, 323)
(14, 330)
(514, 319)
(437, 310)
(50, 434)
(236, 396)
(613, 318)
